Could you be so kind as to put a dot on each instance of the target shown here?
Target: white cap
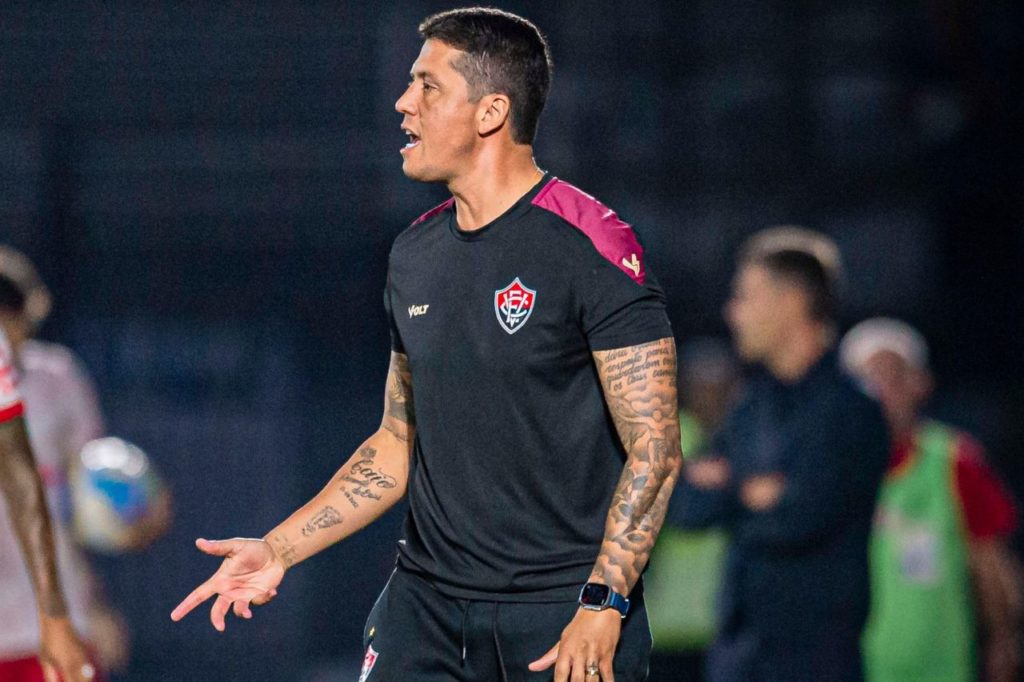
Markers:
(883, 333)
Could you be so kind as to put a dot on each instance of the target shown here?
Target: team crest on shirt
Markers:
(513, 305)
(368, 662)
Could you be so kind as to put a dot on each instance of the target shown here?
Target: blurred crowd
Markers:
(826, 528)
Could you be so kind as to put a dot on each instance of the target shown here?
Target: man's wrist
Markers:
(283, 551)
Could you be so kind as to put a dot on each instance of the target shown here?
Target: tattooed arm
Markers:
(639, 385)
(365, 487)
(640, 389)
(60, 649)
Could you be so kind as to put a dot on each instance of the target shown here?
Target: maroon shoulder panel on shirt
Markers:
(434, 211)
(612, 237)
(989, 511)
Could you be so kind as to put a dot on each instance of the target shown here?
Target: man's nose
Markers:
(404, 103)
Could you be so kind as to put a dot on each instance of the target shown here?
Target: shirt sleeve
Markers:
(616, 310)
(988, 509)
(396, 338)
(82, 408)
(10, 401)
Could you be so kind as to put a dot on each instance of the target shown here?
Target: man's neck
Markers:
(804, 347)
(493, 186)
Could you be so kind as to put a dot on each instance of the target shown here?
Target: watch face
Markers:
(595, 594)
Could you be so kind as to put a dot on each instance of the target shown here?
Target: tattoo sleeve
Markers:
(30, 517)
(639, 384)
(399, 411)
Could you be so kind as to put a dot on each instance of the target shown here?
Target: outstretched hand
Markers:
(589, 640)
(249, 575)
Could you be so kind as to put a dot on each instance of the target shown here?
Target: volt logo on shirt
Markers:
(416, 310)
(513, 305)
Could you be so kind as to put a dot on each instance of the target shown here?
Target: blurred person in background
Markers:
(941, 566)
(792, 475)
(62, 414)
(58, 653)
(683, 579)
(530, 412)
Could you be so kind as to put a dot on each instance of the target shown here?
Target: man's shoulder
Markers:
(600, 227)
(434, 216)
(52, 359)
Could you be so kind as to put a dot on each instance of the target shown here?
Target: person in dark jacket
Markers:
(793, 476)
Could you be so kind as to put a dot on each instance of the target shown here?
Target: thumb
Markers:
(545, 661)
(217, 547)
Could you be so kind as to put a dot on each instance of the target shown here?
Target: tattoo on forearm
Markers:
(325, 518)
(30, 517)
(365, 476)
(284, 549)
(640, 389)
(399, 409)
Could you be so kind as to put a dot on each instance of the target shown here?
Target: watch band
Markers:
(618, 602)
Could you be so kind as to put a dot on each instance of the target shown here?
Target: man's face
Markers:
(900, 387)
(759, 311)
(438, 117)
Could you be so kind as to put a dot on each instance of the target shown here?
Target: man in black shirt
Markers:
(794, 476)
(530, 404)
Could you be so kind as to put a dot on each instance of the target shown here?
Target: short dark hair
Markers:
(12, 298)
(504, 53)
(805, 271)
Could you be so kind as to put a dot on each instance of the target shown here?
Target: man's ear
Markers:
(493, 113)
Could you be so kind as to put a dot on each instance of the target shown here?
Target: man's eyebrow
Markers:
(422, 74)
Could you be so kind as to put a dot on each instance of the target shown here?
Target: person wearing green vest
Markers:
(682, 580)
(941, 568)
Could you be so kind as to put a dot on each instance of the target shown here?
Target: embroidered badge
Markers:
(513, 305)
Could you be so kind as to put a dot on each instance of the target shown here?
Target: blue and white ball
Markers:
(113, 488)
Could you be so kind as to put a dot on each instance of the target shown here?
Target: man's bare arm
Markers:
(997, 586)
(365, 487)
(639, 385)
(60, 651)
(26, 503)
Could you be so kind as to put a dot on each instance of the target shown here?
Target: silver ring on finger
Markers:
(593, 670)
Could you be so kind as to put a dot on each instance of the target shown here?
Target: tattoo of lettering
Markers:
(30, 519)
(365, 476)
(284, 549)
(640, 389)
(399, 409)
(325, 518)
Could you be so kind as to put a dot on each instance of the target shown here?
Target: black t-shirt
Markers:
(516, 457)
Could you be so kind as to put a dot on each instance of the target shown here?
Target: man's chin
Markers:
(421, 174)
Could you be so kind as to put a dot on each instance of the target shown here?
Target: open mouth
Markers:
(413, 139)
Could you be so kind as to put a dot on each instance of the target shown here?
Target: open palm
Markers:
(249, 574)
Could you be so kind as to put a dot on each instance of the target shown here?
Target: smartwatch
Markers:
(598, 597)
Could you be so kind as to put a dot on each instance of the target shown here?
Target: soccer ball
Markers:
(113, 489)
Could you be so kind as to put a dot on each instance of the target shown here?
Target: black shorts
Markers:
(415, 633)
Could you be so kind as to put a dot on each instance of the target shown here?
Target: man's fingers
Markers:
(216, 547)
(545, 661)
(563, 666)
(198, 596)
(50, 673)
(218, 611)
(264, 598)
(241, 608)
(607, 669)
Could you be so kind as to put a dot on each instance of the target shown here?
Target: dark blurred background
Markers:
(210, 190)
